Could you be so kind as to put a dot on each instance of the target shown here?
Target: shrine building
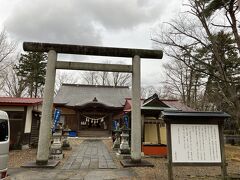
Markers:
(154, 141)
(89, 110)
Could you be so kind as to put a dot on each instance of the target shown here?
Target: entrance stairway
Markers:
(93, 133)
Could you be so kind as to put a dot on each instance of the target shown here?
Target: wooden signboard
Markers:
(195, 139)
(195, 143)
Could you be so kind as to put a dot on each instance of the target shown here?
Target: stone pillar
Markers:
(143, 128)
(46, 119)
(136, 111)
(79, 121)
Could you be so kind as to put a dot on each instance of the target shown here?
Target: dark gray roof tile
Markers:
(77, 95)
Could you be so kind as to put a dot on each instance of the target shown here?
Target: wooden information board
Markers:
(195, 139)
(195, 143)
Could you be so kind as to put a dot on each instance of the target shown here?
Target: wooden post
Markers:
(78, 121)
(158, 133)
(142, 129)
(23, 137)
(223, 161)
(169, 152)
(110, 123)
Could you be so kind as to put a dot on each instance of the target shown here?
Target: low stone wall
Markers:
(232, 139)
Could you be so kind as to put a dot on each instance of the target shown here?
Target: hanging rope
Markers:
(94, 119)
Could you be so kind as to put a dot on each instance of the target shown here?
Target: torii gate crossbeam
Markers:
(53, 64)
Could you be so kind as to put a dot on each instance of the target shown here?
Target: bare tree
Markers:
(64, 77)
(120, 79)
(14, 85)
(103, 78)
(231, 10)
(7, 49)
(106, 78)
(91, 77)
(147, 91)
(193, 39)
(182, 80)
(3, 76)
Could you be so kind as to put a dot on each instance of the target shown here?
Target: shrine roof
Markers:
(155, 104)
(17, 101)
(80, 95)
(195, 114)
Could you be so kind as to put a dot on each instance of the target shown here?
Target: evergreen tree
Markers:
(32, 69)
(230, 8)
(225, 94)
(211, 52)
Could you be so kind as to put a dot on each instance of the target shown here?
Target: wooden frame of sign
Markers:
(195, 139)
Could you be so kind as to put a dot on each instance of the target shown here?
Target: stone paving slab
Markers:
(105, 175)
(90, 161)
(94, 163)
(51, 164)
(58, 174)
(91, 154)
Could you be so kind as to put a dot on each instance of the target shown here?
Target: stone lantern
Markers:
(56, 147)
(65, 142)
(117, 131)
(124, 146)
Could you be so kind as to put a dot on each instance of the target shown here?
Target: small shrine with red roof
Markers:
(154, 140)
(24, 117)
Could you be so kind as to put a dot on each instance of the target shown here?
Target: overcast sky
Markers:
(117, 23)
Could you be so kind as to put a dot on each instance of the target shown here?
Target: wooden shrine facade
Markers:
(89, 110)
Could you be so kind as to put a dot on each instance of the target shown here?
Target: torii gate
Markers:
(53, 64)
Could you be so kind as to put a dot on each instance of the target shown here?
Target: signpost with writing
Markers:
(195, 139)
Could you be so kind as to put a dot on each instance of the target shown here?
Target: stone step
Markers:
(93, 133)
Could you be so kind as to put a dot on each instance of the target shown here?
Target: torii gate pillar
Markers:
(136, 110)
(46, 123)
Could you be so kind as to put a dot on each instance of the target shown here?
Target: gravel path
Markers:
(20, 157)
(159, 171)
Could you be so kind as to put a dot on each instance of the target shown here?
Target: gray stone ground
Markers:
(90, 161)
(83, 174)
(91, 154)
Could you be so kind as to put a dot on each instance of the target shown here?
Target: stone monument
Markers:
(56, 146)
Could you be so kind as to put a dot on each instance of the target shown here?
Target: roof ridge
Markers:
(168, 99)
(128, 98)
(97, 86)
(19, 97)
